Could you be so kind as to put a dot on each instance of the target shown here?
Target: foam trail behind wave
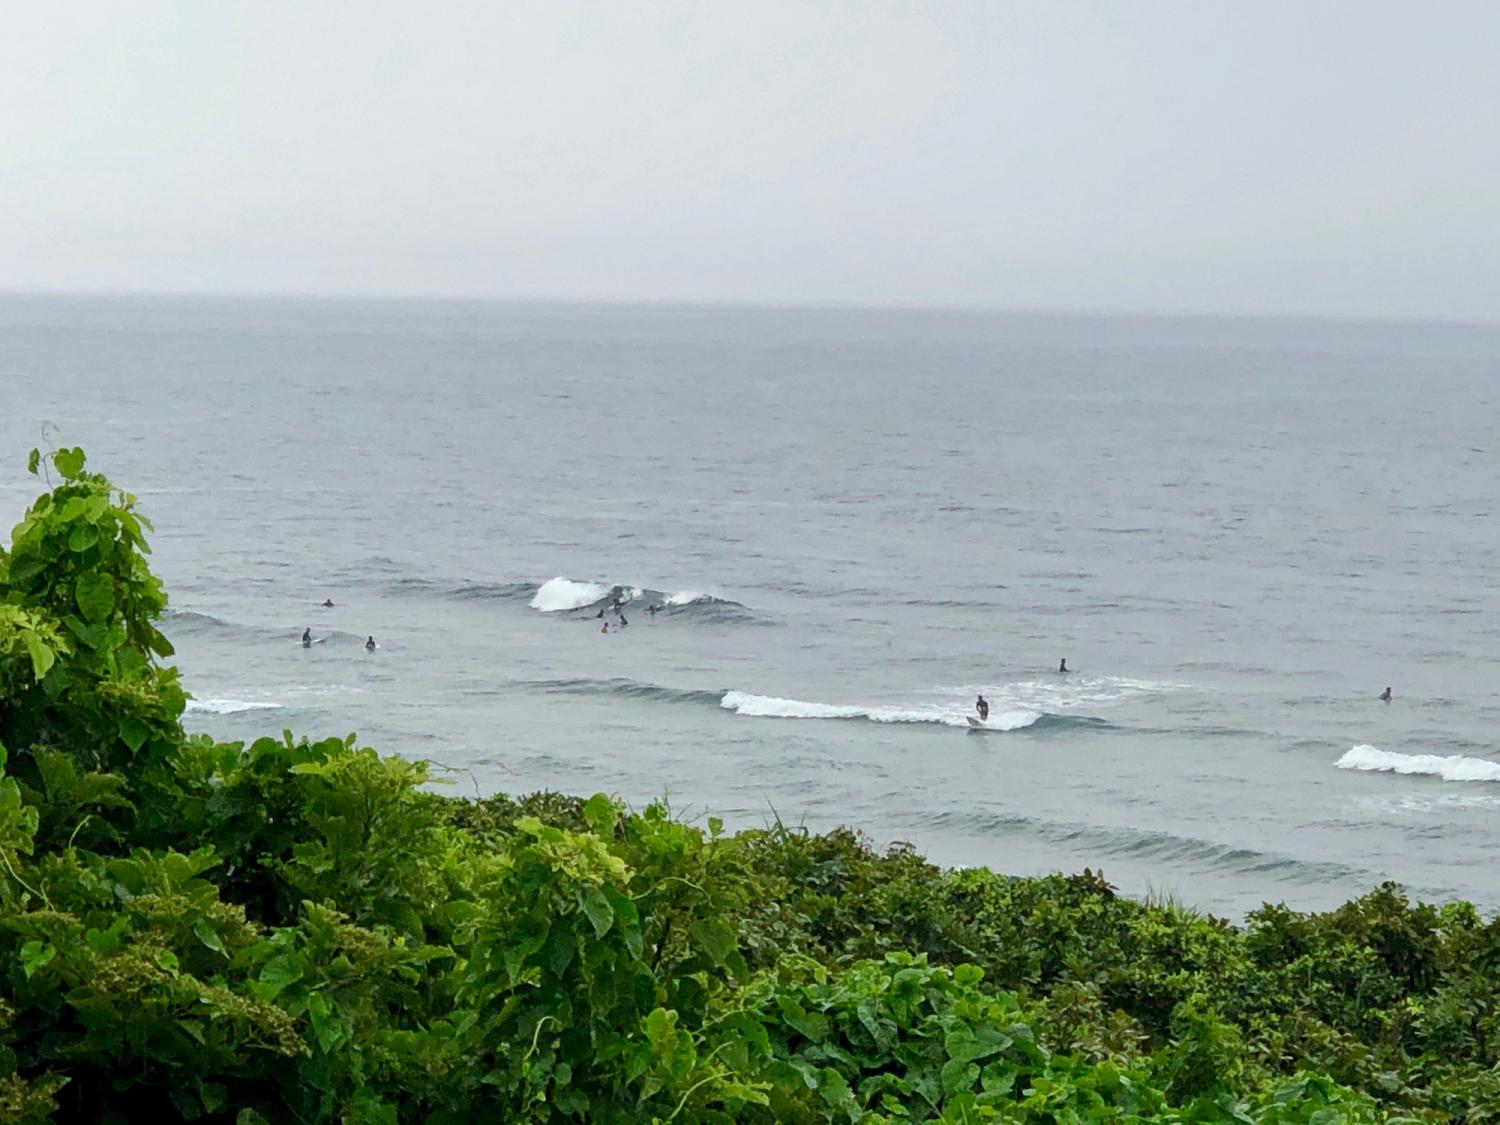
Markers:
(1454, 767)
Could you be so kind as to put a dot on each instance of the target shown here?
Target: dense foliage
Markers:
(304, 931)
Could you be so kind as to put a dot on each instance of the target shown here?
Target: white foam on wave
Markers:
(1057, 694)
(229, 706)
(687, 597)
(559, 594)
(1453, 767)
(771, 707)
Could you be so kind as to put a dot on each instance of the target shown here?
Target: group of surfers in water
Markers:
(307, 637)
(619, 608)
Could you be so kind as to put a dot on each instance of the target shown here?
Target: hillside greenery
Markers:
(302, 930)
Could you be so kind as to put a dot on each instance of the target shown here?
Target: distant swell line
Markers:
(229, 706)
(626, 689)
(1147, 844)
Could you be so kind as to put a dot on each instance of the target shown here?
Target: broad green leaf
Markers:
(167, 960)
(714, 937)
(34, 955)
(82, 537)
(812, 1025)
(279, 972)
(41, 655)
(597, 907)
(69, 463)
(601, 814)
(33, 461)
(209, 936)
(95, 594)
(133, 732)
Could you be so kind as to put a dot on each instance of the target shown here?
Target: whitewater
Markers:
(850, 524)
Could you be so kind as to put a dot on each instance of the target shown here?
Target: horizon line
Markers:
(749, 304)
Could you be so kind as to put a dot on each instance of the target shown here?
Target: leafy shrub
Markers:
(300, 930)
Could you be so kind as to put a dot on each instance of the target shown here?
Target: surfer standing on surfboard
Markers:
(983, 708)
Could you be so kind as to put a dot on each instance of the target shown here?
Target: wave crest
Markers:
(1454, 767)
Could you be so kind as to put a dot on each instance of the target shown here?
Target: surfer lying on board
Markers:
(983, 708)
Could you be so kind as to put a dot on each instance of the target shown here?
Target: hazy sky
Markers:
(1256, 156)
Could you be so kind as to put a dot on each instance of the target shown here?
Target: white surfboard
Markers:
(975, 724)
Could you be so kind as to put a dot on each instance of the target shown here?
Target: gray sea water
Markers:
(1237, 533)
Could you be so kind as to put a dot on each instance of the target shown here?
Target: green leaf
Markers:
(95, 594)
(629, 919)
(167, 960)
(34, 955)
(958, 1075)
(133, 732)
(82, 537)
(33, 461)
(601, 814)
(69, 463)
(812, 1025)
(42, 656)
(596, 906)
(714, 937)
(279, 972)
(209, 936)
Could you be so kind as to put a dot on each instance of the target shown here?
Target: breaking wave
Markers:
(771, 707)
(558, 595)
(562, 595)
(1454, 767)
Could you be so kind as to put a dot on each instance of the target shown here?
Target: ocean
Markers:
(1236, 532)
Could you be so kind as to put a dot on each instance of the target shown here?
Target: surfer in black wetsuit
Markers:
(327, 603)
(370, 644)
(1385, 696)
(651, 609)
(598, 615)
(307, 638)
(983, 707)
(1062, 666)
(623, 622)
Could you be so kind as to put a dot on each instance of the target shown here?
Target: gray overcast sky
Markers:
(1259, 156)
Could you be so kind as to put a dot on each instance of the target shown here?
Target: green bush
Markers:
(301, 930)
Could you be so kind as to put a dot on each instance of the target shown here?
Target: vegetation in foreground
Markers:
(298, 931)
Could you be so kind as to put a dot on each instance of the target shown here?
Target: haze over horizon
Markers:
(1327, 159)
